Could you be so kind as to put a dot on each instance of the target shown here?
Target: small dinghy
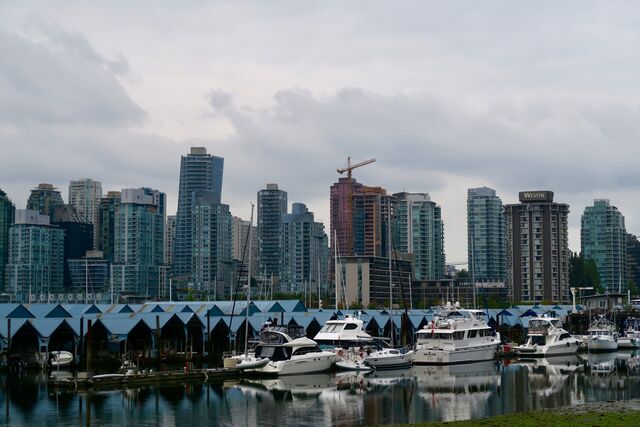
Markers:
(61, 358)
(252, 362)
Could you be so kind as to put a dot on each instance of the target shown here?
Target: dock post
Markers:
(81, 345)
(158, 335)
(209, 338)
(89, 345)
(8, 337)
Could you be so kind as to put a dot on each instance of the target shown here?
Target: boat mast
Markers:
(246, 309)
(335, 262)
(391, 329)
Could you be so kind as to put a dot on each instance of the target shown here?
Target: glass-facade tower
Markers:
(486, 236)
(272, 205)
(603, 239)
(7, 212)
(198, 171)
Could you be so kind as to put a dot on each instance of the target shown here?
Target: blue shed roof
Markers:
(45, 327)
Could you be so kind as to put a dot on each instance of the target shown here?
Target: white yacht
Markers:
(348, 339)
(343, 333)
(630, 339)
(290, 352)
(456, 336)
(389, 358)
(602, 336)
(547, 338)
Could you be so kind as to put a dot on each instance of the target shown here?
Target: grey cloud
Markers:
(61, 80)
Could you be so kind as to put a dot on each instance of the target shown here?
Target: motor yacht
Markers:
(602, 336)
(61, 358)
(630, 339)
(348, 340)
(547, 338)
(456, 336)
(290, 352)
(389, 358)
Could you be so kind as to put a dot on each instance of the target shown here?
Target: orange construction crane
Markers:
(351, 167)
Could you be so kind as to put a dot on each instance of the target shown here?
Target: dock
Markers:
(86, 381)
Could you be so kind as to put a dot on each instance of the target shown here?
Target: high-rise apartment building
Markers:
(538, 249)
(420, 233)
(603, 239)
(169, 238)
(34, 270)
(486, 236)
(44, 199)
(372, 208)
(78, 235)
(198, 171)
(633, 260)
(272, 205)
(305, 252)
(85, 195)
(341, 212)
(7, 213)
(107, 223)
(212, 265)
(139, 270)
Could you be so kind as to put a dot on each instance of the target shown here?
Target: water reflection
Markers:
(422, 393)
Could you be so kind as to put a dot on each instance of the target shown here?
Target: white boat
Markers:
(547, 338)
(602, 336)
(630, 340)
(456, 336)
(250, 361)
(389, 358)
(61, 358)
(290, 352)
(348, 339)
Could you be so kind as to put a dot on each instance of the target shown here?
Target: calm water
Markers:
(419, 394)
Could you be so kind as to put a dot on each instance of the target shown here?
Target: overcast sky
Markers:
(445, 95)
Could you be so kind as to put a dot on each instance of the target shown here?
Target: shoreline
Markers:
(605, 413)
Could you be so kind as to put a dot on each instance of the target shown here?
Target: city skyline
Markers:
(442, 110)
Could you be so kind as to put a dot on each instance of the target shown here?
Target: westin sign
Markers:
(536, 196)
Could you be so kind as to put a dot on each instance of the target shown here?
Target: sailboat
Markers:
(390, 358)
(246, 360)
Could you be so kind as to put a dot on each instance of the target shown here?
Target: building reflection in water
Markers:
(422, 393)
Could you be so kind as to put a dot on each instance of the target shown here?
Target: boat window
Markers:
(443, 336)
(473, 333)
(565, 336)
(458, 335)
(539, 340)
(350, 326)
(273, 353)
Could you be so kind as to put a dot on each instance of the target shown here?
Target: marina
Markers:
(418, 394)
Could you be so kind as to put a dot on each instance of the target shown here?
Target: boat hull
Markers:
(427, 356)
(628, 343)
(601, 345)
(562, 349)
(298, 365)
(394, 361)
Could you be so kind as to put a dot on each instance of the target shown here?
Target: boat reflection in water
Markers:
(457, 392)
(420, 394)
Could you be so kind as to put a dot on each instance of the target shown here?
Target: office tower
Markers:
(7, 213)
(85, 195)
(305, 252)
(78, 235)
(139, 270)
(107, 223)
(486, 236)
(44, 199)
(538, 249)
(240, 248)
(169, 238)
(34, 271)
(198, 171)
(272, 205)
(603, 239)
(420, 233)
(212, 266)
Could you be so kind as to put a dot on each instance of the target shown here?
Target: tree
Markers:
(584, 273)
(631, 287)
